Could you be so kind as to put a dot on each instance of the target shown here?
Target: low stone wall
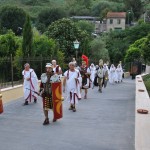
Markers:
(12, 93)
(142, 121)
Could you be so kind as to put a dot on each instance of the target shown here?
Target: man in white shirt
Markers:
(30, 84)
(71, 85)
(56, 68)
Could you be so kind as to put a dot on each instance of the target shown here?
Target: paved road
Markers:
(105, 121)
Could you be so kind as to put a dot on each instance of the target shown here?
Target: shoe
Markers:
(54, 120)
(74, 109)
(71, 107)
(35, 100)
(26, 103)
(46, 122)
(100, 90)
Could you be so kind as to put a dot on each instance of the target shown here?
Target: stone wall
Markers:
(142, 121)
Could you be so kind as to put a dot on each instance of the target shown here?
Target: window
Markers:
(118, 21)
(111, 21)
(118, 29)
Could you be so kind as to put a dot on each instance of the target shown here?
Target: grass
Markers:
(146, 80)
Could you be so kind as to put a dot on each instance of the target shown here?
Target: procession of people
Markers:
(76, 80)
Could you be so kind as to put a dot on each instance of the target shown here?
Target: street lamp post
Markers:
(76, 46)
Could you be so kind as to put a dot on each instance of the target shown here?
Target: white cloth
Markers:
(93, 72)
(59, 69)
(112, 74)
(88, 80)
(72, 89)
(31, 85)
(100, 72)
(119, 72)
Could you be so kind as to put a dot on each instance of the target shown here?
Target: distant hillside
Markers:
(74, 7)
(33, 7)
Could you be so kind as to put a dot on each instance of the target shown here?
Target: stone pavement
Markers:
(105, 121)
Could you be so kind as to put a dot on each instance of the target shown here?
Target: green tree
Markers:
(133, 54)
(78, 7)
(44, 46)
(135, 51)
(117, 45)
(137, 32)
(27, 38)
(86, 25)
(47, 16)
(65, 32)
(98, 50)
(135, 7)
(8, 44)
(146, 49)
(12, 17)
(101, 8)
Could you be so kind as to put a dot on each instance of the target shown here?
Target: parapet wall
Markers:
(142, 121)
(12, 93)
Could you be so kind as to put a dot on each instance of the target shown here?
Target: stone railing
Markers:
(142, 121)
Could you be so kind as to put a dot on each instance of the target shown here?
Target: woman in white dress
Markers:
(93, 71)
(119, 72)
(112, 74)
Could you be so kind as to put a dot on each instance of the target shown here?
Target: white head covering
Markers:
(92, 65)
(105, 66)
(72, 63)
(48, 65)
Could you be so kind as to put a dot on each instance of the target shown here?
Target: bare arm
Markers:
(64, 82)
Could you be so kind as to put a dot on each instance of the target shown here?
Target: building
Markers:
(116, 21)
(99, 26)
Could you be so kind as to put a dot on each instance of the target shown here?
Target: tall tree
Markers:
(12, 17)
(86, 25)
(27, 38)
(135, 7)
(146, 49)
(47, 16)
(8, 44)
(99, 51)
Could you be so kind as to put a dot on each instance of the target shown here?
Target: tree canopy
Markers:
(65, 32)
(12, 17)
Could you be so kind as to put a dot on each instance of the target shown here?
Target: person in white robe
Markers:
(30, 84)
(112, 74)
(56, 68)
(71, 86)
(119, 72)
(93, 73)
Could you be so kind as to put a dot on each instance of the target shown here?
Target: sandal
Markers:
(46, 122)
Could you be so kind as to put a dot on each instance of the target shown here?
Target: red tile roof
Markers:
(116, 15)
